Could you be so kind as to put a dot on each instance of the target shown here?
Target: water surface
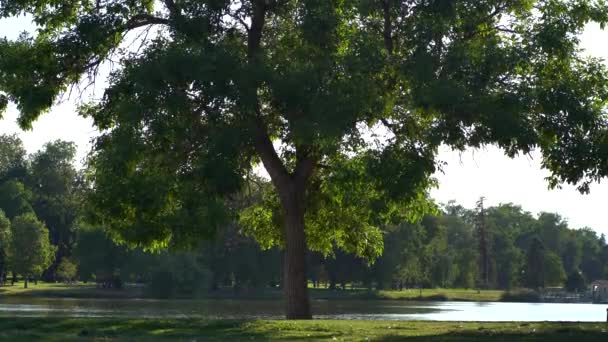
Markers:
(336, 309)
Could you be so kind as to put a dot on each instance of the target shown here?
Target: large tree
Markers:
(302, 87)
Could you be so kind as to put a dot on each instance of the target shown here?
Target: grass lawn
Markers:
(92, 329)
(58, 290)
(81, 290)
(441, 294)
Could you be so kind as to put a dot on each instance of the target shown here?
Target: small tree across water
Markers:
(31, 250)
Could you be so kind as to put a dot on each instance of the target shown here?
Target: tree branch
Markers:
(385, 122)
(174, 10)
(272, 163)
(305, 165)
(140, 20)
(388, 27)
(242, 22)
(263, 144)
(258, 20)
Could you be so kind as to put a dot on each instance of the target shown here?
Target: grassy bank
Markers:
(80, 290)
(55, 329)
(77, 290)
(441, 294)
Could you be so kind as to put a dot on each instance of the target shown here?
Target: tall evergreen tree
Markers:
(535, 258)
(484, 245)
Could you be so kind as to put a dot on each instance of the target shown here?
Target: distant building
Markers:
(599, 291)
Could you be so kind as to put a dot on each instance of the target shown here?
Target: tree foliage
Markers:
(308, 73)
(5, 245)
(67, 270)
(56, 195)
(576, 282)
(46, 184)
(31, 250)
(15, 199)
(186, 117)
(12, 158)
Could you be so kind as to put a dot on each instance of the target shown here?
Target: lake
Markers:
(335, 309)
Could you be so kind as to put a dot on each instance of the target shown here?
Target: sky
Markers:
(467, 175)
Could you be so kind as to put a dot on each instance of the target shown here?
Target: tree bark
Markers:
(295, 284)
(25, 283)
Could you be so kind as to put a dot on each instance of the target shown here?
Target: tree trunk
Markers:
(295, 284)
(25, 283)
(292, 193)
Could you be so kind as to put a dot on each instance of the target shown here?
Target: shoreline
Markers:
(84, 291)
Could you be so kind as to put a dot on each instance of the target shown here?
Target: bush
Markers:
(179, 276)
(523, 296)
(66, 270)
(576, 282)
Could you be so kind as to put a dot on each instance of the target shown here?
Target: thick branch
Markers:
(258, 20)
(140, 20)
(263, 144)
(388, 124)
(305, 165)
(388, 27)
(273, 164)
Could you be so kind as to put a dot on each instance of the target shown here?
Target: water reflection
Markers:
(336, 309)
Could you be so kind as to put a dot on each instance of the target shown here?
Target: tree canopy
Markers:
(31, 251)
(221, 85)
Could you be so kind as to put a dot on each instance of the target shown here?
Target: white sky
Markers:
(467, 176)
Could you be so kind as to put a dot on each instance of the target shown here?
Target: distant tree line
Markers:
(444, 250)
(45, 234)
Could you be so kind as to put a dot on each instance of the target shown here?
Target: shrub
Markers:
(179, 276)
(576, 282)
(66, 270)
(524, 296)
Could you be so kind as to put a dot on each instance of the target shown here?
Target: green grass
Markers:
(56, 329)
(413, 294)
(81, 290)
(58, 290)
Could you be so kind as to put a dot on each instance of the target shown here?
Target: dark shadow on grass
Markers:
(567, 335)
(58, 329)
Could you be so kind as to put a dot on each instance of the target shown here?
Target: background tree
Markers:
(55, 196)
(12, 158)
(535, 265)
(553, 270)
(571, 255)
(591, 262)
(5, 246)
(484, 245)
(99, 258)
(15, 199)
(188, 115)
(31, 250)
